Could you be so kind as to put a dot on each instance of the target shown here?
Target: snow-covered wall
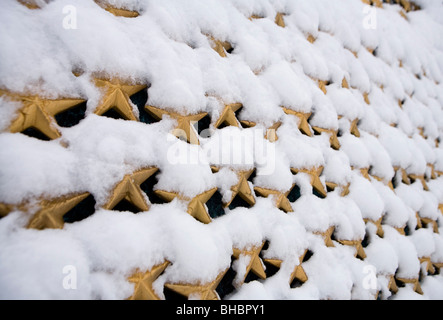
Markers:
(336, 104)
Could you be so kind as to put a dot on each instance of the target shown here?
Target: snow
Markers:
(168, 48)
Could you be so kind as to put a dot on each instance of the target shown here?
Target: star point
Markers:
(255, 263)
(297, 273)
(242, 188)
(281, 198)
(303, 117)
(228, 116)
(316, 183)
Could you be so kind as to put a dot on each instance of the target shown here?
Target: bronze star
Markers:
(242, 188)
(314, 173)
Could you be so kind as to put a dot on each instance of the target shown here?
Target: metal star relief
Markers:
(414, 177)
(315, 178)
(414, 282)
(279, 20)
(327, 234)
(271, 132)
(344, 188)
(38, 113)
(333, 139)
(184, 123)
(221, 47)
(143, 289)
(298, 272)
(52, 211)
(322, 85)
(378, 224)
(255, 263)
(228, 117)
(303, 125)
(30, 4)
(354, 128)
(242, 188)
(196, 205)
(281, 198)
(129, 189)
(360, 252)
(118, 12)
(204, 291)
(116, 97)
(429, 268)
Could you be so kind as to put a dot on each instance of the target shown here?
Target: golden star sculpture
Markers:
(333, 138)
(38, 113)
(378, 224)
(354, 128)
(196, 205)
(118, 12)
(52, 211)
(271, 132)
(143, 289)
(322, 85)
(117, 96)
(255, 263)
(392, 286)
(281, 198)
(314, 173)
(363, 171)
(221, 47)
(429, 266)
(30, 4)
(184, 122)
(433, 174)
(366, 98)
(360, 252)
(279, 20)
(129, 189)
(345, 83)
(298, 272)
(389, 183)
(242, 188)
(303, 125)
(404, 175)
(415, 282)
(344, 189)
(206, 291)
(228, 116)
(414, 177)
(428, 221)
(327, 236)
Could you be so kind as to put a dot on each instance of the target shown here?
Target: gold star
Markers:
(118, 12)
(360, 252)
(322, 85)
(354, 128)
(314, 173)
(203, 291)
(129, 189)
(271, 132)
(38, 113)
(344, 83)
(414, 177)
(433, 174)
(30, 4)
(333, 139)
(196, 206)
(255, 263)
(389, 183)
(116, 97)
(279, 20)
(143, 289)
(228, 117)
(404, 175)
(378, 224)
(303, 125)
(364, 172)
(281, 199)
(327, 234)
(247, 124)
(344, 189)
(427, 221)
(415, 282)
(429, 267)
(221, 47)
(242, 188)
(298, 272)
(184, 122)
(366, 98)
(52, 211)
